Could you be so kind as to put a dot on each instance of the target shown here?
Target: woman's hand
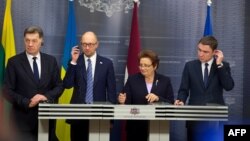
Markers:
(152, 98)
(122, 98)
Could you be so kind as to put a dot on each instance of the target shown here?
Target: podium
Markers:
(99, 116)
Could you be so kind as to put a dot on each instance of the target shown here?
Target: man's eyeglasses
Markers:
(144, 66)
(88, 44)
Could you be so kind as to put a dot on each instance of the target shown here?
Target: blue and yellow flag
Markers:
(62, 128)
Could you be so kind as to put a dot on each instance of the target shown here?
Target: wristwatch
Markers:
(220, 65)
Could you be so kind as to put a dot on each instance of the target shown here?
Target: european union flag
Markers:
(208, 25)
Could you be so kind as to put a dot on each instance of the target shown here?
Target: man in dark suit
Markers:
(31, 77)
(203, 82)
(93, 79)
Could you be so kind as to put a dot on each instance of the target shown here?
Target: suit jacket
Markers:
(21, 86)
(136, 89)
(104, 88)
(192, 84)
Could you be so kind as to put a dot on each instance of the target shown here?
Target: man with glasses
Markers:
(93, 79)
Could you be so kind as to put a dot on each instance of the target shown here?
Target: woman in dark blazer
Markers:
(145, 87)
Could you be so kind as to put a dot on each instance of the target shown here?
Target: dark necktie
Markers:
(35, 69)
(206, 74)
(89, 93)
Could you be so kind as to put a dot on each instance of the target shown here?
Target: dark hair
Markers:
(209, 40)
(34, 29)
(151, 55)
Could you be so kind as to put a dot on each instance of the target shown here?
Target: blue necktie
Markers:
(206, 74)
(89, 93)
(35, 69)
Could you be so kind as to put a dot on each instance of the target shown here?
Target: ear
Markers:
(97, 44)
(42, 43)
(155, 68)
(215, 53)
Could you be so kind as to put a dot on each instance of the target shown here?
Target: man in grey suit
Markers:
(31, 77)
(203, 82)
(93, 79)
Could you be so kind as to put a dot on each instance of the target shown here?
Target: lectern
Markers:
(100, 114)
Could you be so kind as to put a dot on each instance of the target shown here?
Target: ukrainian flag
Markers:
(62, 128)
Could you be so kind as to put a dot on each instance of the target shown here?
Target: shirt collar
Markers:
(30, 57)
(92, 58)
(209, 62)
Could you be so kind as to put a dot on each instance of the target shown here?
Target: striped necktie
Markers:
(89, 93)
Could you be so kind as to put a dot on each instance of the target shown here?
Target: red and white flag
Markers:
(133, 51)
(134, 45)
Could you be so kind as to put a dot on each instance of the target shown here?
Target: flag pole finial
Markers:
(138, 2)
(209, 2)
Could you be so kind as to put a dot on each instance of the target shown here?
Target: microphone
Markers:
(156, 82)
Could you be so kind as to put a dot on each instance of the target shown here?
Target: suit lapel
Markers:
(155, 83)
(26, 66)
(81, 63)
(212, 72)
(200, 75)
(44, 69)
(198, 71)
(144, 83)
(98, 68)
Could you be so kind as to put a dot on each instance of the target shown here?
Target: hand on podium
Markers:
(178, 103)
(122, 98)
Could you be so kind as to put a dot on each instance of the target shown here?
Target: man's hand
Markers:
(219, 56)
(36, 99)
(178, 102)
(75, 53)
